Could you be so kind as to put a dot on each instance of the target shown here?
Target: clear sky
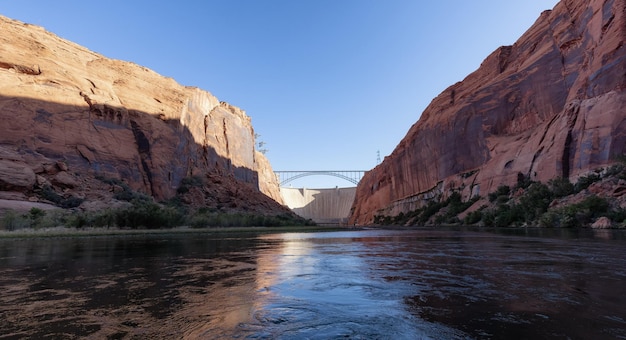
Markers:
(328, 83)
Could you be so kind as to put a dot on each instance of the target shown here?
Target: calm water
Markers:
(373, 284)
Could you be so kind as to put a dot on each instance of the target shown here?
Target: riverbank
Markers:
(73, 232)
(597, 200)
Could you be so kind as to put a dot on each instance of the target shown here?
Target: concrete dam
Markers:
(324, 206)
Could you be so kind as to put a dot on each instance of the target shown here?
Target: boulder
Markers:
(16, 175)
(602, 223)
(64, 180)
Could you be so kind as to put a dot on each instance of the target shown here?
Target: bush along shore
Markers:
(596, 200)
(141, 215)
(136, 211)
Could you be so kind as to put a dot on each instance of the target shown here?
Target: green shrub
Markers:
(585, 181)
(431, 208)
(48, 193)
(502, 200)
(523, 181)
(225, 220)
(454, 203)
(501, 191)
(77, 220)
(618, 215)
(579, 214)
(504, 216)
(126, 194)
(36, 213)
(616, 170)
(386, 220)
(569, 221)
(454, 206)
(549, 219)
(71, 202)
(129, 195)
(561, 187)
(202, 221)
(473, 217)
(149, 215)
(12, 220)
(106, 218)
(535, 201)
(489, 218)
(188, 183)
(39, 218)
(98, 219)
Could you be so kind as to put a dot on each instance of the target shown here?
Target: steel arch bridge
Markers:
(353, 176)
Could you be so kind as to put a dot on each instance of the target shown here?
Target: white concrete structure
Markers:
(324, 206)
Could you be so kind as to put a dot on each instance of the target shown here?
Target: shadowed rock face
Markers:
(553, 104)
(69, 115)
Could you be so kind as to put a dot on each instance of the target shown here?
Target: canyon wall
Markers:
(70, 115)
(551, 105)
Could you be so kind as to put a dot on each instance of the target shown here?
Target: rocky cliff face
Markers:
(553, 104)
(70, 116)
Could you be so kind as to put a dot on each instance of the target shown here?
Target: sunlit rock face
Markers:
(553, 104)
(63, 104)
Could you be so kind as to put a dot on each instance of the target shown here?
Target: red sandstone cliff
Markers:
(69, 115)
(553, 104)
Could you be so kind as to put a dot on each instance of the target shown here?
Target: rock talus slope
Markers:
(69, 115)
(553, 104)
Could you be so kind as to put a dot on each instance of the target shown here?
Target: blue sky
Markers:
(328, 83)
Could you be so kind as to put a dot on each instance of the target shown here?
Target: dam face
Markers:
(324, 206)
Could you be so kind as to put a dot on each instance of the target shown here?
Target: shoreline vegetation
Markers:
(132, 210)
(142, 217)
(590, 202)
(99, 231)
(596, 201)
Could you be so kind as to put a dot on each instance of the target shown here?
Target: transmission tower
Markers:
(259, 144)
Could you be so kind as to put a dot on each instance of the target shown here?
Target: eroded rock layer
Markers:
(551, 105)
(70, 115)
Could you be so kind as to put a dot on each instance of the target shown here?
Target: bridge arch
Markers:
(352, 176)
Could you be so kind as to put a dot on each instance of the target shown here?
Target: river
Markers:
(365, 284)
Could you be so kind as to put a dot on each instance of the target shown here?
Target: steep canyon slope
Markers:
(74, 121)
(551, 105)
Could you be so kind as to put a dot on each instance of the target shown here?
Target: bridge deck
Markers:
(352, 176)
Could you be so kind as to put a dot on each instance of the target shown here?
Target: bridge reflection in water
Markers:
(325, 205)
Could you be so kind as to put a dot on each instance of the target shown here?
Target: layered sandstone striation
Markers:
(552, 105)
(71, 117)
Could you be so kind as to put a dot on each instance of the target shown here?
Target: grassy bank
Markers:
(133, 210)
(128, 210)
(83, 232)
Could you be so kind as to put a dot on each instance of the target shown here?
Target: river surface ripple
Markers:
(369, 284)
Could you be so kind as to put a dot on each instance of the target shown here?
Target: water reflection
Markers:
(318, 290)
(364, 284)
(117, 287)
